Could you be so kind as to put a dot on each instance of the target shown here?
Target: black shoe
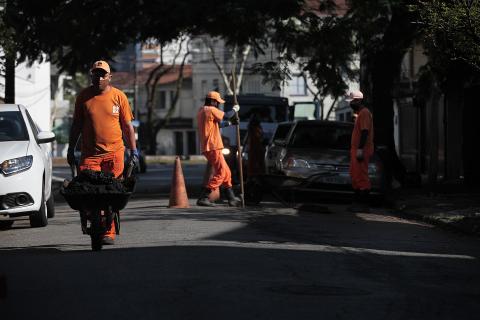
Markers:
(204, 201)
(108, 241)
(233, 201)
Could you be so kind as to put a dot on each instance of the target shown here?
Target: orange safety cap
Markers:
(100, 65)
(215, 96)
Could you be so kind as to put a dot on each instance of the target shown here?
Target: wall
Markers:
(32, 89)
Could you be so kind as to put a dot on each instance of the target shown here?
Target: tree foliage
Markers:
(451, 32)
(75, 33)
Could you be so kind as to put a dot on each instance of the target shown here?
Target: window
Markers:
(282, 132)
(171, 97)
(160, 100)
(297, 86)
(204, 89)
(192, 142)
(215, 85)
(315, 137)
(341, 117)
(348, 117)
(178, 136)
(12, 127)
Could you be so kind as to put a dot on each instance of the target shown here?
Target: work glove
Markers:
(359, 155)
(134, 157)
(234, 120)
(236, 108)
(71, 156)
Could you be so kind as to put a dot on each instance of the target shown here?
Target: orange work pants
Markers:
(221, 172)
(106, 162)
(359, 171)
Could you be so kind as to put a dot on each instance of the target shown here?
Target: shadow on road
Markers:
(227, 282)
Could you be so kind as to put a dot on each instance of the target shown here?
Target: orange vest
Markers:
(101, 118)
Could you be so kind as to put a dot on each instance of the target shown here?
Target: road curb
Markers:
(466, 224)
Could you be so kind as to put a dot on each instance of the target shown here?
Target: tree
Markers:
(322, 47)
(238, 67)
(451, 35)
(154, 125)
(8, 54)
(384, 31)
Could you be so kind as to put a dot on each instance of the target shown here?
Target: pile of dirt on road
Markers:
(98, 182)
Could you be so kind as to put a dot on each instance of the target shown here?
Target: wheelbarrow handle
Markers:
(73, 169)
(130, 167)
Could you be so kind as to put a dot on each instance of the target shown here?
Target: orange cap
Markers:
(100, 65)
(215, 96)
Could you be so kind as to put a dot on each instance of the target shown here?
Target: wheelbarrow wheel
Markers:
(96, 231)
(96, 242)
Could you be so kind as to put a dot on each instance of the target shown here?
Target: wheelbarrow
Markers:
(98, 209)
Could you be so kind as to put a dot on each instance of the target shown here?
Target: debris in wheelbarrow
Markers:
(98, 182)
(97, 190)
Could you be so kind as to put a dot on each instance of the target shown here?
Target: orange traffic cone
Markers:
(178, 192)
(215, 194)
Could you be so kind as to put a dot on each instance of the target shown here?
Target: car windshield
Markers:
(321, 137)
(281, 132)
(12, 126)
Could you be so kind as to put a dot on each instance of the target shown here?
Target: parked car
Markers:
(317, 158)
(275, 149)
(25, 168)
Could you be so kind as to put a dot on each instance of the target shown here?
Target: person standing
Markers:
(210, 118)
(361, 150)
(102, 117)
(256, 148)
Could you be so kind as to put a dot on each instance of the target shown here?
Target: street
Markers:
(267, 262)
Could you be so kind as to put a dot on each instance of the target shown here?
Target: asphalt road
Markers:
(157, 179)
(266, 262)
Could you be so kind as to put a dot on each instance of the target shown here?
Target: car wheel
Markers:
(4, 225)
(51, 207)
(39, 218)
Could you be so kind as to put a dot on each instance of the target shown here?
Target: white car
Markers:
(25, 168)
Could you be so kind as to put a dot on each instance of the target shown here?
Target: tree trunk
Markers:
(432, 109)
(383, 70)
(10, 78)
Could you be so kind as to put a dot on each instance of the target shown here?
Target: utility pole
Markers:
(135, 84)
(10, 55)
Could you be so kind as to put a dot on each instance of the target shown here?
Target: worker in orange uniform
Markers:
(361, 150)
(102, 114)
(210, 118)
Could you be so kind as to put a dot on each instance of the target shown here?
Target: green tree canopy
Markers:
(451, 30)
(72, 34)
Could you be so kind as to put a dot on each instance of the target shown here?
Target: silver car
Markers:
(317, 158)
(275, 150)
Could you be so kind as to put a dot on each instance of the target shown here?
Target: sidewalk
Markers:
(453, 207)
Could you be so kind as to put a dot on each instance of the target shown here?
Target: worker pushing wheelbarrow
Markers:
(103, 119)
(99, 197)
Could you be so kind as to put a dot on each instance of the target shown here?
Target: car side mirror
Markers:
(45, 137)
